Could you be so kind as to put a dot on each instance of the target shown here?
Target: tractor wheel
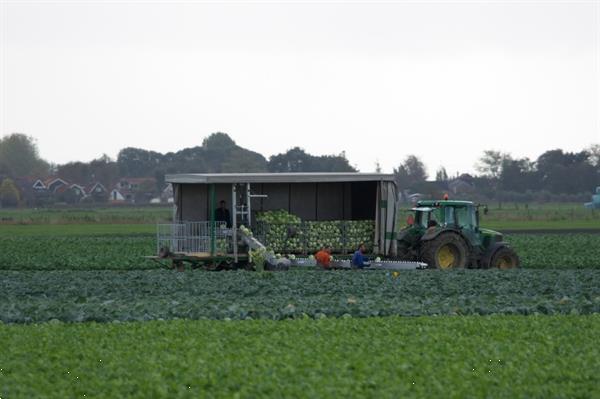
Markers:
(446, 251)
(505, 258)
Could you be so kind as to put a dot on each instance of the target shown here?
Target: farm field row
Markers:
(19, 230)
(46, 252)
(104, 296)
(126, 252)
(125, 229)
(118, 229)
(92, 215)
(493, 356)
(543, 225)
(62, 230)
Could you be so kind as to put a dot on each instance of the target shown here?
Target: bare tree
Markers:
(410, 172)
(490, 164)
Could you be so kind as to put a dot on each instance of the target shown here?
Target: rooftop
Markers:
(207, 178)
(436, 203)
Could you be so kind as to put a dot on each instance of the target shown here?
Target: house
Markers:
(97, 192)
(57, 189)
(78, 190)
(121, 195)
(461, 185)
(43, 192)
(136, 183)
(134, 190)
(53, 184)
(38, 185)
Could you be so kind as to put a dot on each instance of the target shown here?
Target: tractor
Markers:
(445, 234)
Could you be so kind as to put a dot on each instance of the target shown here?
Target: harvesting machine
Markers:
(340, 210)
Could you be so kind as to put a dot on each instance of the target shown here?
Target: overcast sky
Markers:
(442, 80)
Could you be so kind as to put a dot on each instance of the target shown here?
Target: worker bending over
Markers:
(358, 259)
(323, 257)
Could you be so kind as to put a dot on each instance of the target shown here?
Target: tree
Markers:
(441, 174)
(136, 162)
(516, 174)
(218, 140)
(566, 172)
(490, 164)
(594, 157)
(19, 156)
(104, 170)
(9, 193)
(75, 172)
(410, 172)
(298, 160)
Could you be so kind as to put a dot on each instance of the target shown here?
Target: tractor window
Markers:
(465, 217)
(474, 219)
(436, 215)
(449, 218)
(422, 218)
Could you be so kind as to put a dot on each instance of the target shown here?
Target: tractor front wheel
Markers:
(505, 258)
(446, 251)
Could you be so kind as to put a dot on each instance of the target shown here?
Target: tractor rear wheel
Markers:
(446, 251)
(505, 258)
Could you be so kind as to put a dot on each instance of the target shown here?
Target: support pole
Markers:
(234, 222)
(248, 207)
(213, 243)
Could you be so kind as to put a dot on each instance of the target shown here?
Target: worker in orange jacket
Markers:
(323, 257)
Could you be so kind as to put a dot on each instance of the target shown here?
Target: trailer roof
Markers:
(207, 178)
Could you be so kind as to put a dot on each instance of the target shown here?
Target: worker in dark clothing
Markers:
(432, 223)
(358, 259)
(222, 214)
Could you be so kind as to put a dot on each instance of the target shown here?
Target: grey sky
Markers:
(442, 80)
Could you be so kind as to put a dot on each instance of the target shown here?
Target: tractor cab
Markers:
(446, 234)
(456, 214)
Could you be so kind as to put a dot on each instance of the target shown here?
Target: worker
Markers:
(432, 223)
(323, 257)
(222, 214)
(358, 259)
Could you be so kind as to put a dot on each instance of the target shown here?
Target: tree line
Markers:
(555, 172)
(19, 158)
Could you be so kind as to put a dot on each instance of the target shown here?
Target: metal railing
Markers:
(299, 238)
(193, 237)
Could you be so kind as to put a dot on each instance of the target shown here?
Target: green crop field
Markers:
(36, 248)
(47, 252)
(509, 216)
(543, 225)
(540, 212)
(83, 314)
(568, 251)
(75, 296)
(80, 230)
(73, 215)
(430, 357)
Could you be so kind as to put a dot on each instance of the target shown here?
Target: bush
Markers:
(9, 193)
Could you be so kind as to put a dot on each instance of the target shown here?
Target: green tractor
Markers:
(446, 234)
